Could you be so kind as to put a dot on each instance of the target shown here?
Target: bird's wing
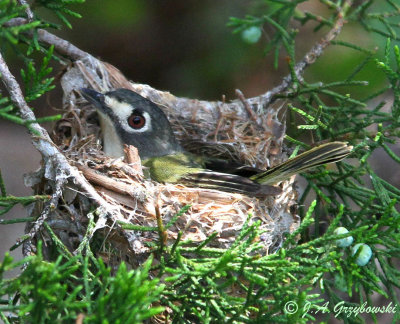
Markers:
(231, 167)
(229, 182)
(188, 170)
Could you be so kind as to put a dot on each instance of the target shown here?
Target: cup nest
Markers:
(239, 130)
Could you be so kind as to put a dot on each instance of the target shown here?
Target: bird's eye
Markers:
(136, 121)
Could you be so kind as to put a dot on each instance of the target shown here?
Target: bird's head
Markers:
(128, 118)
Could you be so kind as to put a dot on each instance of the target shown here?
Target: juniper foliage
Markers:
(76, 286)
(313, 274)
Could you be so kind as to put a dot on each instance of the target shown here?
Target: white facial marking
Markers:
(112, 145)
(122, 111)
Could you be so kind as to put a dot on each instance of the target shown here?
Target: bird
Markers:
(128, 118)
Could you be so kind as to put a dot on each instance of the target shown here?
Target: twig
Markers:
(109, 183)
(62, 46)
(49, 206)
(133, 158)
(311, 56)
(28, 10)
(246, 105)
(161, 229)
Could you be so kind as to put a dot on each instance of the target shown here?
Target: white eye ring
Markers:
(122, 111)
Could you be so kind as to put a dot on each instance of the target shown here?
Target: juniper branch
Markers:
(311, 56)
(62, 46)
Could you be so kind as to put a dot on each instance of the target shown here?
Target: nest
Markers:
(242, 132)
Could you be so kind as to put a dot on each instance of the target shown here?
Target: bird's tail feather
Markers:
(326, 153)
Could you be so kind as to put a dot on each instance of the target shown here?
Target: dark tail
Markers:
(325, 153)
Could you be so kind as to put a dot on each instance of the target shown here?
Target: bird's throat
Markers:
(112, 145)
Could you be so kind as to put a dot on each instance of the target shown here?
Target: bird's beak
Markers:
(94, 97)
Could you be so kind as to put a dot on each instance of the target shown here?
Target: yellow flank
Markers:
(171, 168)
